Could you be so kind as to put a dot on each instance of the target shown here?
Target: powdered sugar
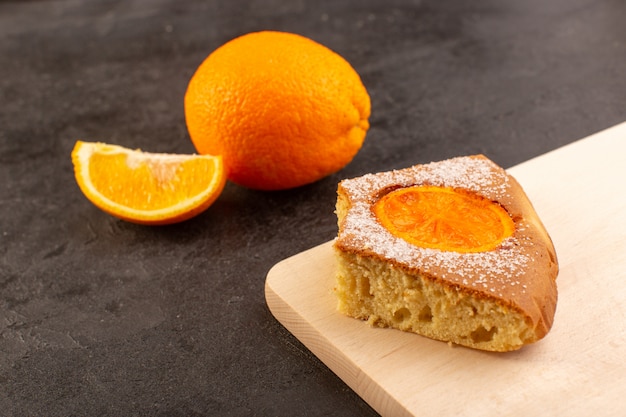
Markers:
(473, 174)
(492, 271)
(163, 166)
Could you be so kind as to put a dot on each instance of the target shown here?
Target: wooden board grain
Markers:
(579, 369)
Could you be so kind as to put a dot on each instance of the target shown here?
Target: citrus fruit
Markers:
(444, 218)
(147, 188)
(281, 109)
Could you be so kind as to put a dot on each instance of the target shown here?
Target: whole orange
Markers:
(282, 110)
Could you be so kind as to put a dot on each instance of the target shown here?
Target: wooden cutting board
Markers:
(579, 369)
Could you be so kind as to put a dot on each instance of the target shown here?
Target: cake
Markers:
(494, 297)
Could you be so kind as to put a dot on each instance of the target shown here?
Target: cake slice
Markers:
(479, 270)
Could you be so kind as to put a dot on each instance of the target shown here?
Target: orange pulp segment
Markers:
(444, 218)
(147, 188)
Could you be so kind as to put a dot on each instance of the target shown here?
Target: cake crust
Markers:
(517, 277)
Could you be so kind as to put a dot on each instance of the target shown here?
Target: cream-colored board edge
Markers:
(579, 369)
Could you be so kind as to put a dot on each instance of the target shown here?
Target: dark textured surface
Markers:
(102, 317)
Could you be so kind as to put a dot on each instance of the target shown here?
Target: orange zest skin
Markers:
(444, 218)
(147, 188)
(281, 109)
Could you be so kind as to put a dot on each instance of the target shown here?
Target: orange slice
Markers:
(147, 188)
(444, 218)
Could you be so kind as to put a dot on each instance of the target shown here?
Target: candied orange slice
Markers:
(444, 218)
(147, 188)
